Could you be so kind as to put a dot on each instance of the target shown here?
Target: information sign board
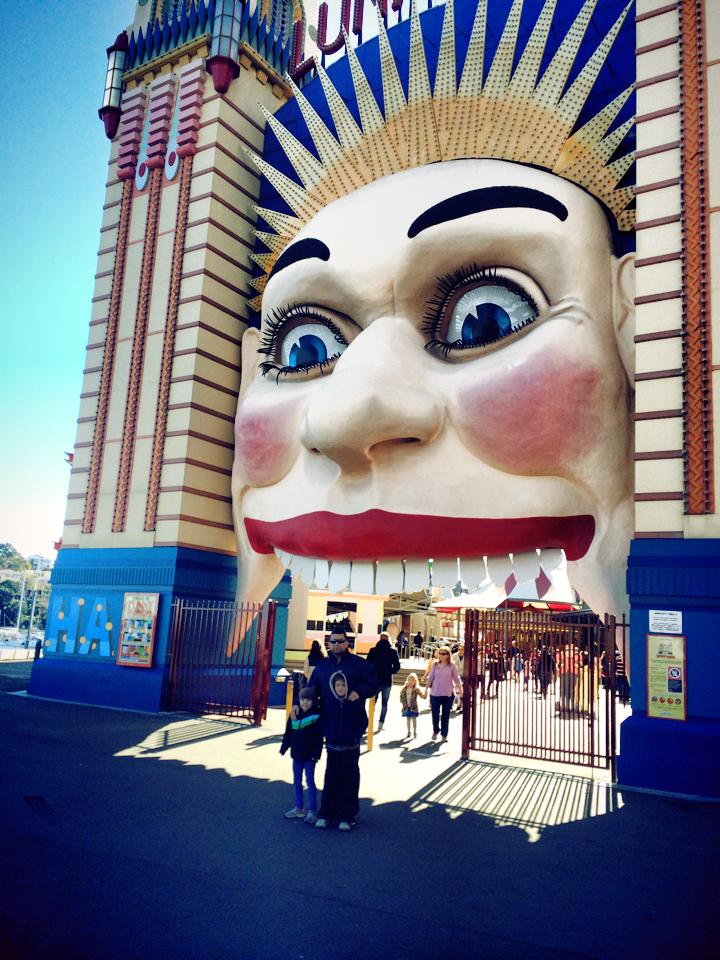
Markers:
(665, 621)
(666, 677)
(137, 635)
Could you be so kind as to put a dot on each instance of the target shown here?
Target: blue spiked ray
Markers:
(140, 47)
(252, 28)
(192, 21)
(175, 27)
(132, 50)
(201, 16)
(244, 18)
(166, 33)
(157, 39)
(262, 39)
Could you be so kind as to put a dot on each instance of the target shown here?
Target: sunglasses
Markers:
(338, 641)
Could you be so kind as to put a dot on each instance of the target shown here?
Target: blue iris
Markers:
(308, 349)
(489, 323)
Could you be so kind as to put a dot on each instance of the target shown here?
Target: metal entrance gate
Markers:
(542, 685)
(220, 657)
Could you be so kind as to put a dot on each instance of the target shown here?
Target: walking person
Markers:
(443, 681)
(314, 657)
(409, 694)
(458, 658)
(545, 669)
(304, 739)
(568, 663)
(385, 662)
(343, 682)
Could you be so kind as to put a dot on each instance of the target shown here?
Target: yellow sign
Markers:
(666, 677)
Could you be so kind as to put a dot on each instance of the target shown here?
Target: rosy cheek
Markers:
(266, 441)
(533, 417)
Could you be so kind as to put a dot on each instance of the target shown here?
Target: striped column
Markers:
(134, 104)
(161, 105)
(659, 409)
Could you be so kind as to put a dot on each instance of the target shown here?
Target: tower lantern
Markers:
(222, 64)
(109, 113)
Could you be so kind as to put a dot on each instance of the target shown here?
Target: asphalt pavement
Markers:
(161, 837)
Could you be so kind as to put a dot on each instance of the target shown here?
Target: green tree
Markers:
(10, 559)
(9, 599)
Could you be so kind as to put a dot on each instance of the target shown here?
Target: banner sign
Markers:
(666, 677)
(137, 634)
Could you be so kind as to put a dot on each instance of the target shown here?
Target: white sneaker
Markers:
(321, 823)
(344, 825)
(295, 814)
(310, 817)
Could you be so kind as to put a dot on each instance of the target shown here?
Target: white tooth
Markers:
(283, 557)
(526, 565)
(473, 572)
(444, 573)
(388, 577)
(524, 590)
(417, 575)
(551, 558)
(304, 567)
(361, 577)
(499, 569)
(490, 596)
(322, 569)
(561, 590)
(339, 576)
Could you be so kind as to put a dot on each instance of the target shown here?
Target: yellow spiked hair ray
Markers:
(510, 116)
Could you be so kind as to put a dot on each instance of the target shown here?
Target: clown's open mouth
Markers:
(381, 552)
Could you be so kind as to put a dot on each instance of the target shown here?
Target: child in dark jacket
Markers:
(304, 739)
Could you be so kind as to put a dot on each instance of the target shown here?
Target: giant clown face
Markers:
(441, 372)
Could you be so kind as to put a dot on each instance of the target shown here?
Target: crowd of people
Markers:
(331, 707)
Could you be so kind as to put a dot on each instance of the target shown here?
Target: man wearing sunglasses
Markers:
(343, 682)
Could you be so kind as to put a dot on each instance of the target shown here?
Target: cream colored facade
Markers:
(663, 180)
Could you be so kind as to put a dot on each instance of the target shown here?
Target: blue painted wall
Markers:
(682, 757)
(85, 611)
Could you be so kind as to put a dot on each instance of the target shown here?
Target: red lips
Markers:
(380, 535)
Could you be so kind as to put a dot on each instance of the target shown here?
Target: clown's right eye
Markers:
(300, 341)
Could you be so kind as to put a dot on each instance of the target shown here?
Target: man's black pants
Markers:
(342, 785)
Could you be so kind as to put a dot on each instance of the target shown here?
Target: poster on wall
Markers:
(666, 677)
(137, 634)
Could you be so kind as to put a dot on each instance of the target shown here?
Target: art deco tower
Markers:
(149, 502)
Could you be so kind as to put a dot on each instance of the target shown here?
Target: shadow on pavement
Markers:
(149, 857)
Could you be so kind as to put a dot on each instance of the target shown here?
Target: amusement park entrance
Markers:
(543, 685)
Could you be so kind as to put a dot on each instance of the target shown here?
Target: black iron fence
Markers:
(543, 685)
(220, 657)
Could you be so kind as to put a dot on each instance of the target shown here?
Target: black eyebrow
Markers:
(302, 250)
(486, 198)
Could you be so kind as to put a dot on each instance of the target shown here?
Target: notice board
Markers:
(666, 677)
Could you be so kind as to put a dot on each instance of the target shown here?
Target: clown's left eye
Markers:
(300, 341)
(480, 306)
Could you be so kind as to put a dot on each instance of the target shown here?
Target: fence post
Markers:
(289, 686)
(371, 724)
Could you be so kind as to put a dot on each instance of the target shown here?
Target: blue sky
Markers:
(52, 170)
